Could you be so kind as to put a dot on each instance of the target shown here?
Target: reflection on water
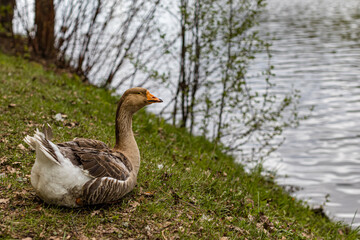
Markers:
(317, 49)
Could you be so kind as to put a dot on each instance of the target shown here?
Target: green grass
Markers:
(199, 193)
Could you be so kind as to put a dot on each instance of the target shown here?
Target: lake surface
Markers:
(316, 49)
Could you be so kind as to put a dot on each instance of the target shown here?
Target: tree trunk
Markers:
(229, 62)
(196, 78)
(6, 15)
(183, 84)
(44, 21)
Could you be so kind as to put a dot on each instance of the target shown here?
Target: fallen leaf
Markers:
(12, 105)
(55, 238)
(149, 194)
(21, 147)
(23, 192)
(166, 224)
(241, 231)
(83, 237)
(135, 204)
(305, 235)
(4, 200)
(3, 159)
(163, 234)
(96, 212)
(11, 169)
(141, 198)
(71, 124)
(27, 238)
(111, 230)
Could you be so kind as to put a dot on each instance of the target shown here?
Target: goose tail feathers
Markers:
(41, 143)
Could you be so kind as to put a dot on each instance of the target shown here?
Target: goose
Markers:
(86, 171)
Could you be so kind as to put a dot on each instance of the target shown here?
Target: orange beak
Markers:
(152, 99)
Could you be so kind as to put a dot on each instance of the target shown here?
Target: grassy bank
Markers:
(185, 189)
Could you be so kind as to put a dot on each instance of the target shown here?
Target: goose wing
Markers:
(95, 157)
(100, 163)
(84, 143)
(110, 171)
(104, 190)
(97, 163)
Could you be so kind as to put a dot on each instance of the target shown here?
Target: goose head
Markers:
(136, 98)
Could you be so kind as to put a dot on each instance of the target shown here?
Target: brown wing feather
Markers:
(109, 168)
(99, 162)
(85, 143)
(104, 163)
(103, 190)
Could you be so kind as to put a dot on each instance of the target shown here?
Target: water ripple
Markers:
(316, 48)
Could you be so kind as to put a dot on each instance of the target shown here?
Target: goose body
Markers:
(85, 171)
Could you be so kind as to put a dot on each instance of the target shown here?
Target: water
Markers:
(316, 49)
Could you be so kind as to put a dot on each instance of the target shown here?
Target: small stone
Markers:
(58, 117)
